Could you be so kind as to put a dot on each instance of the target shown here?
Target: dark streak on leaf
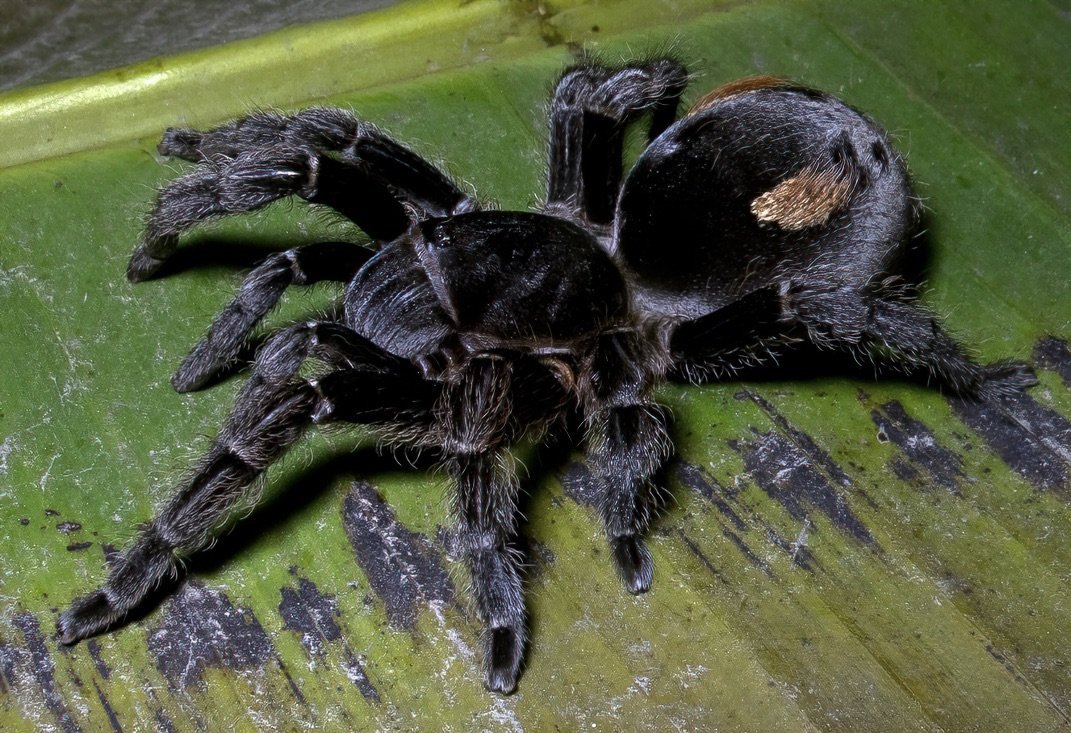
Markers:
(11, 657)
(698, 552)
(813, 451)
(904, 470)
(798, 552)
(402, 566)
(711, 489)
(1032, 440)
(43, 669)
(113, 719)
(298, 695)
(203, 629)
(696, 479)
(1053, 354)
(1007, 664)
(165, 723)
(94, 653)
(79, 546)
(804, 441)
(312, 614)
(751, 556)
(918, 444)
(355, 671)
(789, 477)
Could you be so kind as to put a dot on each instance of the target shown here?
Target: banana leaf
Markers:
(840, 553)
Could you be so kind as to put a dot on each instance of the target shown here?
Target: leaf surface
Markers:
(841, 553)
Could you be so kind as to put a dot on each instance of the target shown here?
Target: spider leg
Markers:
(476, 413)
(906, 337)
(325, 156)
(261, 290)
(628, 443)
(591, 107)
(271, 413)
(881, 322)
(745, 333)
(878, 322)
(411, 179)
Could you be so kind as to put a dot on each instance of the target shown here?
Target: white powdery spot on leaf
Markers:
(504, 716)
(640, 685)
(6, 449)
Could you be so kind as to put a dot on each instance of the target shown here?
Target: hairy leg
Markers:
(261, 290)
(745, 333)
(326, 156)
(591, 107)
(271, 413)
(476, 412)
(628, 443)
(412, 179)
(250, 181)
(906, 337)
(897, 333)
(267, 419)
(880, 323)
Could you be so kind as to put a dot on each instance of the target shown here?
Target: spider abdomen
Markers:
(761, 180)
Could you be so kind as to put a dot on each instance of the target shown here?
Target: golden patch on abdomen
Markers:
(805, 200)
(732, 88)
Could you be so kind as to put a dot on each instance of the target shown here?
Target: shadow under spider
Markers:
(231, 252)
(289, 500)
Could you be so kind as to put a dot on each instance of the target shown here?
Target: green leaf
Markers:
(840, 554)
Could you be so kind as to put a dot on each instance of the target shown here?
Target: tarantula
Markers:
(766, 216)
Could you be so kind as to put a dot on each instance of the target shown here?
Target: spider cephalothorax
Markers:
(767, 216)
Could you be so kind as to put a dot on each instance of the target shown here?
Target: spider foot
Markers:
(198, 369)
(505, 650)
(1005, 379)
(87, 616)
(633, 562)
(181, 142)
(143, 265)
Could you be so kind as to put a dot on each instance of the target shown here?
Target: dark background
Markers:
(49, 40)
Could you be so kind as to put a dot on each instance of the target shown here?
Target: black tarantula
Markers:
(767, 216)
